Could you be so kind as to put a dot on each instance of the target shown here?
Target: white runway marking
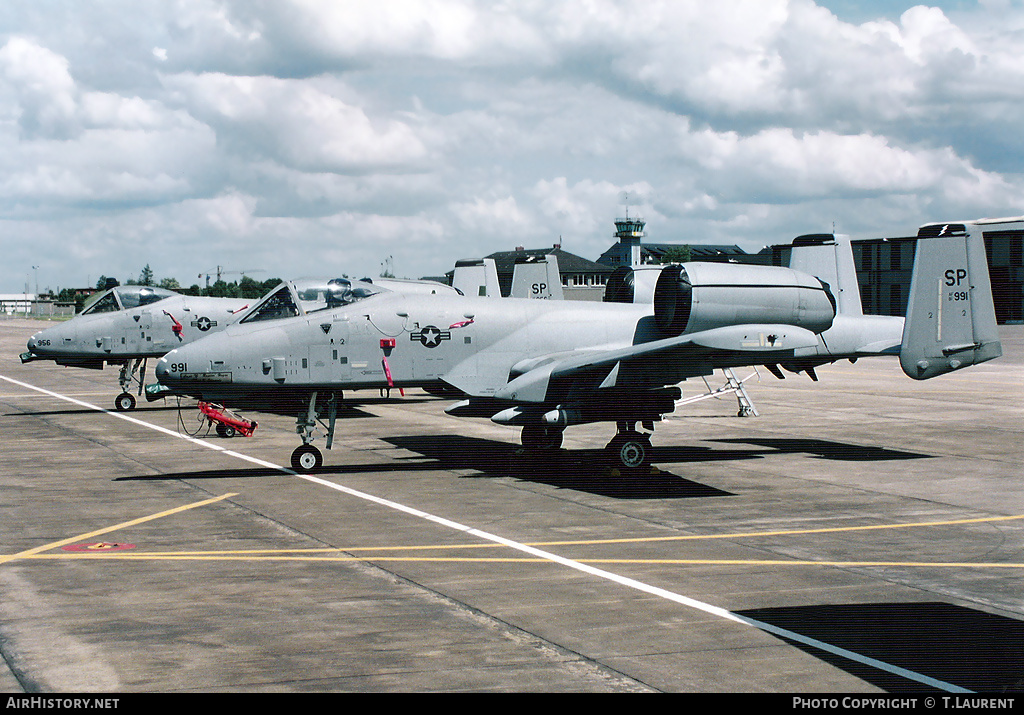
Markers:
(552, 557)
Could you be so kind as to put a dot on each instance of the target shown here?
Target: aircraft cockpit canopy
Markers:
(126, 298)
(309, 295)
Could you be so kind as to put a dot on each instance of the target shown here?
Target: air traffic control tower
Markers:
(630, 231)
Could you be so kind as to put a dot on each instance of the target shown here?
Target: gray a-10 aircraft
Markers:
(546, 365)
(127, 325)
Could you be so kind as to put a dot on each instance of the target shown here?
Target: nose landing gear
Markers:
(306, 457)
(130, 373)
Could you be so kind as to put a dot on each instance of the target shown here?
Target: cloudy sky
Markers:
(313, 137)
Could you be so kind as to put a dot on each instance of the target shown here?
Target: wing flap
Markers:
(669, 360)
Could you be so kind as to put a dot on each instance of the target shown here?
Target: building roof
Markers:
(505, 261)
(696, 249)
(619, 253)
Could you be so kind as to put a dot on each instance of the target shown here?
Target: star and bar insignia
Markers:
(204, 323)
(431, 336)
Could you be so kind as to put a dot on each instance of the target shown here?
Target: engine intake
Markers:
(619, 288)
(700, 296)
(632, 284)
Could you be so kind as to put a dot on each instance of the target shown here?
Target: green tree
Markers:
(146, 277)
(69, 295)
(268, 285)
(678, 254)
(221, 289)
(249, 288)
(170, 283)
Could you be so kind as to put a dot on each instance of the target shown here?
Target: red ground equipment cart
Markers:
(227, 424)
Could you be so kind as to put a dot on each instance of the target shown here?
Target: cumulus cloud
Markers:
(298, 123)
(781, 163)
(42, 87)
(437, 130)
(70, 145)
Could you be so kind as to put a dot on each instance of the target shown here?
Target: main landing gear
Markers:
(630, 449)
(130, 372)
(541, 438)
(306, 457)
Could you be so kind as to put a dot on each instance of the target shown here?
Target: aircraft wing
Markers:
(651, 364)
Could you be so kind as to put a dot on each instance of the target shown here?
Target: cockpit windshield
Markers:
(309, 295)
(104, 304)
(278, 304)
(315, 294)
(135, 296)
(126, 298)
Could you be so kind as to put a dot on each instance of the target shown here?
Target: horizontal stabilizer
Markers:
(951, 320)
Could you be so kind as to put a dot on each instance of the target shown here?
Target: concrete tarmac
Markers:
(863, 534)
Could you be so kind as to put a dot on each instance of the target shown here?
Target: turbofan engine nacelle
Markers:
(633, 284)
(692, 297)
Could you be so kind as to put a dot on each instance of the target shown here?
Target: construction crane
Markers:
(221, 272)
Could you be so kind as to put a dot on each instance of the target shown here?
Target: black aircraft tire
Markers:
(307, 458)
(631, 451)
(535, 437)
(554, 439)
(125, 402)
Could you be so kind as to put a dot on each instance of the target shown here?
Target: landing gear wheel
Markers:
(225, 430)
(125, 402)
(535, 437)
(307, 458)
(631, 450)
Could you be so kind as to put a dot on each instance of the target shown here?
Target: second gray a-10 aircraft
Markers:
(547, 365)
(126, 326)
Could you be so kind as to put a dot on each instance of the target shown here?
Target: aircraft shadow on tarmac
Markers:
(249, 473)
(977, 651)
(584, 470)
(348, 409)
(587, 469)
(87, 411)
(580, 470)
(824, 449)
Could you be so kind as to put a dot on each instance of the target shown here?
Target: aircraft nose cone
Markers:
(163, 372)
(42, 343)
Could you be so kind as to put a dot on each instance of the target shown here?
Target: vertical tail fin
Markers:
(830, 258)
(951, 319)
(537, 277)
(477, 277)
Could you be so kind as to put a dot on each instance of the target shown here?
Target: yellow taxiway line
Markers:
(344, 554)
(30, 553)
(249, 556)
